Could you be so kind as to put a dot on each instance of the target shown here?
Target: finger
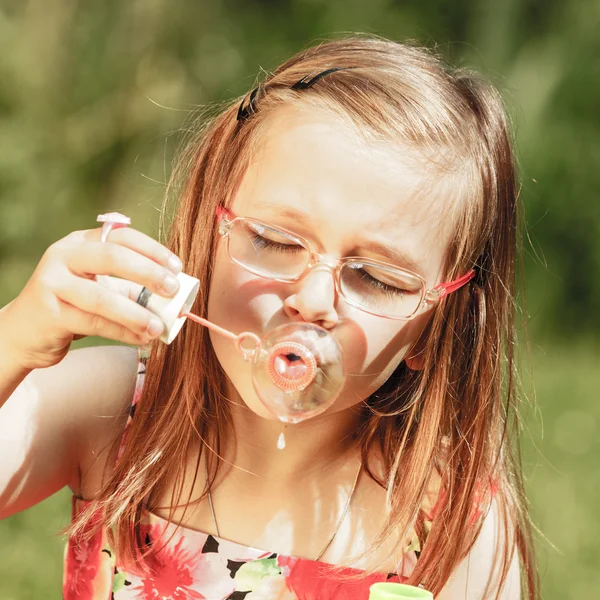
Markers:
(127, 289)
(99, 301)
(83, 324)
(97, 258)
(123, 287)
(140, 243)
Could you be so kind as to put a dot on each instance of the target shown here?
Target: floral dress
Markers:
(197, 565)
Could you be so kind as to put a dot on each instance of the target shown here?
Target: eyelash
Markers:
(384, 287)
(263, 243)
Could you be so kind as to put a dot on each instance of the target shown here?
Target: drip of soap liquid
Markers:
(281, 441)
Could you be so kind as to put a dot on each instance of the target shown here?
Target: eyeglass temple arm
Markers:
(444, 289)
(223, 213)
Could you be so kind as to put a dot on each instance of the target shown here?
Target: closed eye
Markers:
(380, 285)
(262, 243)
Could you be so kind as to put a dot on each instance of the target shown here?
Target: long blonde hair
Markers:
(458, 415)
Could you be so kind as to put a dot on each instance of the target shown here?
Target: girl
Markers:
(358, 166)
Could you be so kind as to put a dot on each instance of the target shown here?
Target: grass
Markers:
(560, 451)
(31, 552)
(561, 464)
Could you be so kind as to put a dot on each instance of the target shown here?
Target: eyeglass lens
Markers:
(270, 252)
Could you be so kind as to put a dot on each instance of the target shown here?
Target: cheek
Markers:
(373, 349)
(238, 301)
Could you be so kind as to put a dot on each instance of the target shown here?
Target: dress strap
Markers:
(143, 353)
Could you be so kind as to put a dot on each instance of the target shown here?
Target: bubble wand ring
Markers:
(298, 378)
(247, 353)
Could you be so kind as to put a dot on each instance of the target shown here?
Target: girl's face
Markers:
(315, 177)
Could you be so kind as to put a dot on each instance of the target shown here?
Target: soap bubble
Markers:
(298, 371)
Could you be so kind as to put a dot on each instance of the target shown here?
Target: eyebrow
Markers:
(401, 258)
(290, 213)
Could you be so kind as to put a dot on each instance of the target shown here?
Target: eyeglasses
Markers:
(371, 285)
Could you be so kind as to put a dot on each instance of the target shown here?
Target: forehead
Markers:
(314, 162)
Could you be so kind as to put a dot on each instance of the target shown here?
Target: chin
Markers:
(250, 401)
(258, 408)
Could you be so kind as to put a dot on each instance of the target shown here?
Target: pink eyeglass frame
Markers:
(428, 297)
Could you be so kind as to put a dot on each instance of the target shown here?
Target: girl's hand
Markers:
(62, 301)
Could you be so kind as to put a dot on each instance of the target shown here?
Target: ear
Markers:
(415, 357)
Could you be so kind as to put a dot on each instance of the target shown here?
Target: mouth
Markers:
(292, 367)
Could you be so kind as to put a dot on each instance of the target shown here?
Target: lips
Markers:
(291, 366)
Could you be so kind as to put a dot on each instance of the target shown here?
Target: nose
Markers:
(313, 299)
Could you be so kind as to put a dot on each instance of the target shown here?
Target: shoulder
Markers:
(483, 563)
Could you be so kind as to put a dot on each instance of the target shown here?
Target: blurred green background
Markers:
(93, 96)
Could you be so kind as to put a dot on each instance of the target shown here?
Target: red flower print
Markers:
(483, 498)
(171, 576)
(178, 572)
(87, 571)
(311, 580)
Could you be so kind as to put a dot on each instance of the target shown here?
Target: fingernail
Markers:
(175, 264)
(155, 327)
(170, 284)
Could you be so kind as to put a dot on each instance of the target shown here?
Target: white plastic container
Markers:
(169, 309)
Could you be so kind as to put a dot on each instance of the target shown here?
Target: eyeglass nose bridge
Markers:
(331, 263)
(323, 259)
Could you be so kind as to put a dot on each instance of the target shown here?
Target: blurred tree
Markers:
(93, 94)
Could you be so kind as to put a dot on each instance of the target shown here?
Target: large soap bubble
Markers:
(297, 371)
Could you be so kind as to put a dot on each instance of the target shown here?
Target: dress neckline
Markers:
(260, 551)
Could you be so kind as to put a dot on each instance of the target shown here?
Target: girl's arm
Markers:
(470, 578)
(59, 410)
(12, 372)
(60, 421)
